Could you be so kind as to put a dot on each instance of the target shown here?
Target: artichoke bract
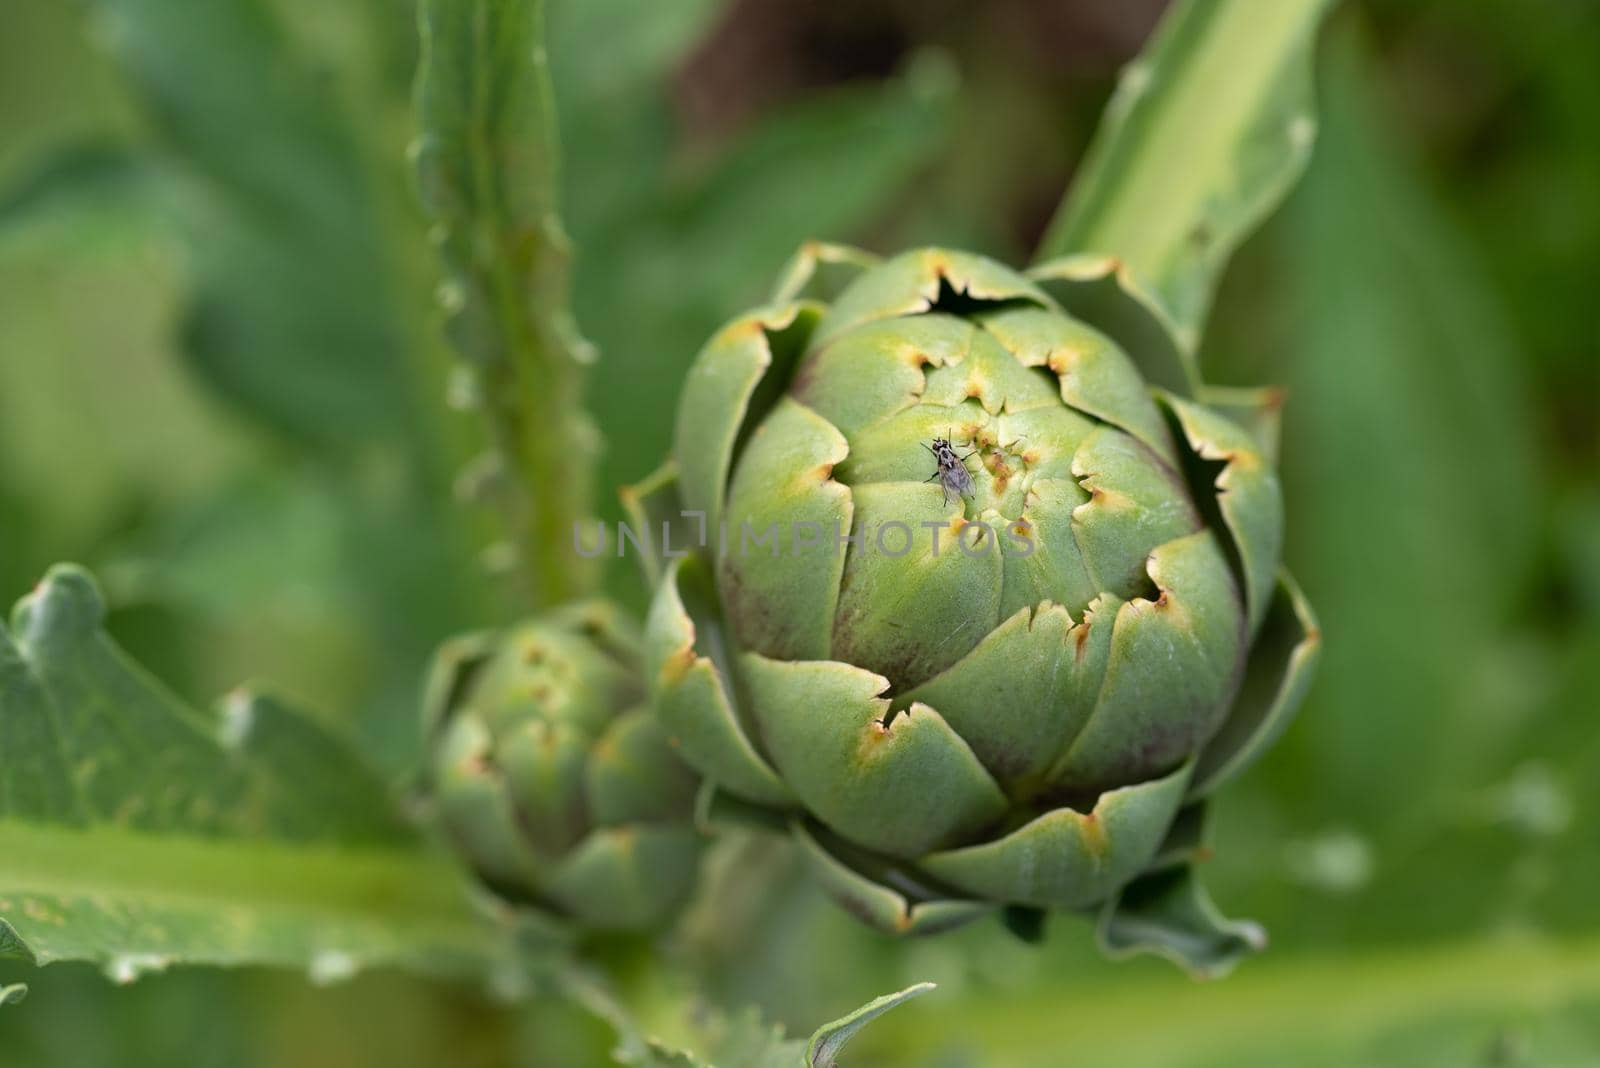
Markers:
(1012, 689)
(552, 779)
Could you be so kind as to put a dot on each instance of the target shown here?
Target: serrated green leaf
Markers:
(748, 1038)
(632, 1046)
(823, 1049)
(1208, 129)
(741, 1040)
(487, 166)
(139, 832)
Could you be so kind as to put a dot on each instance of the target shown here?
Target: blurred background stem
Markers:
(487, 164)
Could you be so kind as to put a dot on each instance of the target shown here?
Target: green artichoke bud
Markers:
(1008, 686)
(551, 777)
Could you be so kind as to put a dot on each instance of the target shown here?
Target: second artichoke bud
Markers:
(552, 779)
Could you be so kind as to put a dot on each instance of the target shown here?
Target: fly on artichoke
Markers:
(1014, 697)
(551, 777)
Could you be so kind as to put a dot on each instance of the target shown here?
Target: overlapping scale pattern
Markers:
(552, 776)
(991, 698)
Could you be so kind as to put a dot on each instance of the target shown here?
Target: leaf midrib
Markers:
(357, 885)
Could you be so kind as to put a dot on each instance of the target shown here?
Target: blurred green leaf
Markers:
(1333, 1009)
(95, 423)
(297, 243)
(671, 242)
(651, 292)
(292, 315)
(141, 833)
(1208, 129)
(1410, 464)
(1419, 484)
(612, 62)
(230, 1017)
(92, 179)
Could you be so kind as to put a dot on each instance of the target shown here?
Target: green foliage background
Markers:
(220, 386)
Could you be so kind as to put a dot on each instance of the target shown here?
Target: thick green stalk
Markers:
(487, 162)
